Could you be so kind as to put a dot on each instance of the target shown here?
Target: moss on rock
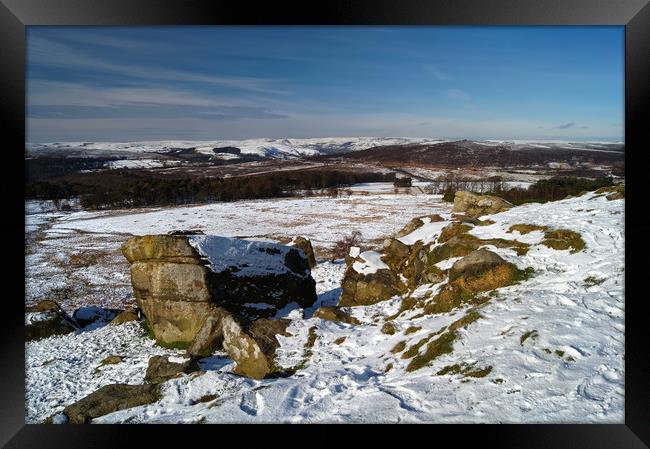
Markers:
(464, 289)
(452, 230)
(615, 192)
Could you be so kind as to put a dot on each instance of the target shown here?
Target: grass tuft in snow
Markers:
(530, 334)
(590, 281)
(523, 228)
(466, 370)
(562, 239)
(439, 346)
(399, 347)
(388, 328)
(412, 330)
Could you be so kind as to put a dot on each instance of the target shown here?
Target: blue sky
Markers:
(201, 83)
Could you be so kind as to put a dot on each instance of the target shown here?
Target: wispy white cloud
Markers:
(57, 54)
(458, 95)
(439, 74)
(53, 99)
(57, 93)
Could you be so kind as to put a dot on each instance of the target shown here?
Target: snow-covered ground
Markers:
(554, 344)
(324, 220)
(141, 163)
(75, 258)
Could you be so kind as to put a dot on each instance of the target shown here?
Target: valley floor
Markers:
(549, 349)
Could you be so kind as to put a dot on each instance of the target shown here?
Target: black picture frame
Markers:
(15, 15)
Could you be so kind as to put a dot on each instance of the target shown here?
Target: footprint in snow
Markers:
(596, 388)
(252, 403)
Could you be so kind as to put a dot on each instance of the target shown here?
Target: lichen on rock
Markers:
(475, 205)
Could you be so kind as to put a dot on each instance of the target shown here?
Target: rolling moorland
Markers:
(430, 304)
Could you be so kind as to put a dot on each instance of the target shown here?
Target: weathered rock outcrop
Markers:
(160, 369)
(479, 271)
(371, 277)
(475, 263)
(129, 314)
(210, 336)
(368, 280)
(399, 267)
(417, 223)
(335, 314)
(109, 399)
(252, 347)
(475, 205)
(178, 278)
(46, 319)
(304, 244)
(209, 292)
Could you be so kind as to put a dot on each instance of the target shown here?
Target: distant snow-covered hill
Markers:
(266, 148)
(59, 158)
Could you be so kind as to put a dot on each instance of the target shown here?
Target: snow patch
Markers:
(371, 263)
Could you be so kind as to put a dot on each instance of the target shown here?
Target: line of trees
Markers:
(449, 185)
(553, 189)
(542, 191)
(127, 188)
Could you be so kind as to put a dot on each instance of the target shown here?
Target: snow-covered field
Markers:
(568, 369)
(75, 257)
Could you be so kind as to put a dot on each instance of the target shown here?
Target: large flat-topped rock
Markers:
(249, 258)
(176, 280)
(161, 248)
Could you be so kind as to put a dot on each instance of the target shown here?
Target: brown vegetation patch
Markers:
(436, 348)
(464, 289)
(311, 338)
(562, 239)
(453, 230)
(463, 244)
(615, 192)
(412, 330)
(465, 370)
(441, 345)
(530, 334)
(87, 258)
(593, 280)
(526, 228)
(399, 347)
